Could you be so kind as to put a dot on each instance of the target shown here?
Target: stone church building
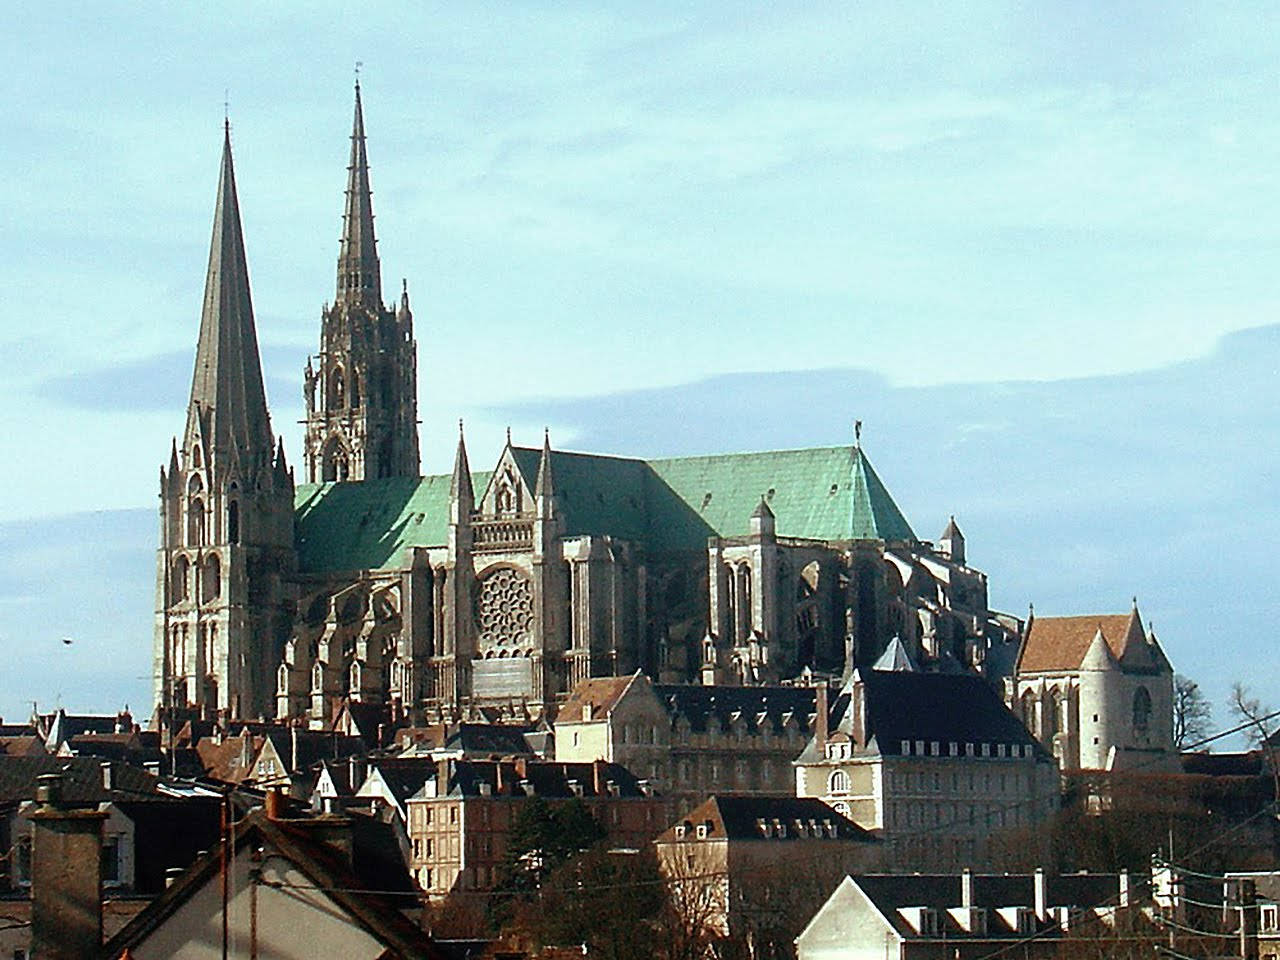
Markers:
(504, 587)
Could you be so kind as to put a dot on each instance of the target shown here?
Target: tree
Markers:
(544, 836)
(1251, 711)
(1258, 716)
(1192, 713)
(608, 900)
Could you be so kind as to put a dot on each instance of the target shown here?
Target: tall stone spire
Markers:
(361, 394)
(359, 275)
(224, 605)
(227, 394)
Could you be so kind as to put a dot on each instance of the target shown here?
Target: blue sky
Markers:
(590, 201)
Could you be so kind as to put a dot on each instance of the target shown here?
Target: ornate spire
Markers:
(227, 395)
(359, 279)
(544, 486)
(460, 484)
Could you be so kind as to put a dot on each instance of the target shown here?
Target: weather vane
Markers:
(857, 432)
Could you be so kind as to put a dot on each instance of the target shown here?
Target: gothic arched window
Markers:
(195, 522)
(337, 389)
(233, 522)
(179, 583)
(335, 464)
(211, 579)
(1029, 712)
(1141, 710)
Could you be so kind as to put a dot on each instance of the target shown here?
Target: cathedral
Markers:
(498, 590)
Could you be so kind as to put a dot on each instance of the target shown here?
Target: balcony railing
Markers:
(494, 536)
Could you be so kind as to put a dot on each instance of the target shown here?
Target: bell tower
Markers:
(226, 557)
(361, 389)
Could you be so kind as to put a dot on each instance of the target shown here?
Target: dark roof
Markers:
(312, 746)
(546, 778)
(738, 817)
(360, 891)
(170, 834)
(404, 776)
(82, 779)
(489, 738)
(941, 707)
(892, 892)
(703, 706)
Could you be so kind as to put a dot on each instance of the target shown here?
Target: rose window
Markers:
(504, 607)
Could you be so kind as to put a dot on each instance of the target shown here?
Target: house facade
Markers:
(934, 764)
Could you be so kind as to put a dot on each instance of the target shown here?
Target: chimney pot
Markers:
(170, 875)
(1041, 895)
(106, 775)
(49, 790)
(966, 888)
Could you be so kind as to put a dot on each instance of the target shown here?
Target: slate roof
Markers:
(547, 778)
(669, 505)
(941, 707)
(892, 892)
(737, 817)
(710, 706)
(358, 890)
(82, 779)
(312, 746)
(404, 776)
(489, 738)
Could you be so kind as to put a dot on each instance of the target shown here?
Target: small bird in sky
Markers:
(68, 641)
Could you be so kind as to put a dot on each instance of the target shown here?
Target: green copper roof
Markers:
(368, 525)
(824, 493)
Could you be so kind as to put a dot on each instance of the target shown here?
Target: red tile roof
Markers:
(1060, 643)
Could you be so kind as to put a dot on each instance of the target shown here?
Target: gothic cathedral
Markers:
(494, 592)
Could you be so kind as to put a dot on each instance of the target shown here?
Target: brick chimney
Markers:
(66, 876)
(1041, 895)
(966, 888)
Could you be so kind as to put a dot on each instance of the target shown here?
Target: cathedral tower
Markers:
(223, 603)
(362, 408)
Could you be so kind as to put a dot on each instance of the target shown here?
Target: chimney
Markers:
(1124, 889)
(356, 771)
(966, 888)
(497, 777)
(66, 876)
(106, 775)
(820, 714)
(171, 874)
(1041, 902)
(273, 804)
(858, 707)
(597, 777)
(293, 749)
